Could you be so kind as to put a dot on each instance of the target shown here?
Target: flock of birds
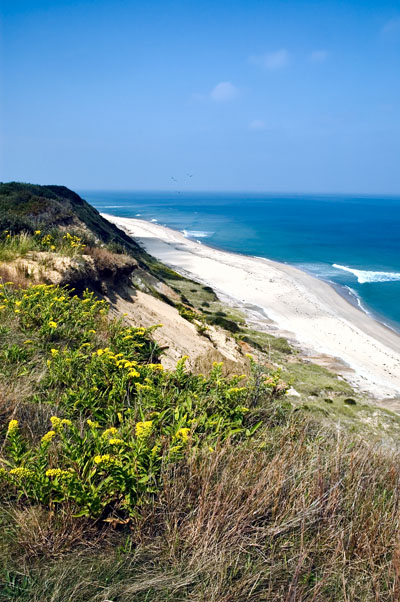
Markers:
(189, 175)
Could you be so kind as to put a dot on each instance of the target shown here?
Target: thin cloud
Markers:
(272, 60)
(223, 92)
(318, 56)
(257, 124)
(392, 26)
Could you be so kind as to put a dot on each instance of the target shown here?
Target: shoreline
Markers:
(298, 305)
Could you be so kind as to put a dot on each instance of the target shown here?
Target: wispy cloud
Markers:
(223, 92)
(318, 56)
(392, 26)
(257, 124)
(272, 60)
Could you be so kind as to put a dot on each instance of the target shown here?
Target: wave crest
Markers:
(365, 276)
(196, 234)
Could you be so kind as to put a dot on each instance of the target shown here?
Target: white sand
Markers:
(297, 303)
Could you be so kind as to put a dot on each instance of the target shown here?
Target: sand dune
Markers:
(310, 310)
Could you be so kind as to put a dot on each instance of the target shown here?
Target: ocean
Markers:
(351, 241)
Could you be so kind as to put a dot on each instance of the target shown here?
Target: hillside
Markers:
(131, 472)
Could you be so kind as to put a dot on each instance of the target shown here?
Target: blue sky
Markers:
(244, 95)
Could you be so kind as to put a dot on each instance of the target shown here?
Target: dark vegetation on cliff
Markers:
(123, 481)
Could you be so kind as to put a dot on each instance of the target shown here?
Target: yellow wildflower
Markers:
(93, 424)
(91, 331)
(12, 427)
(17, 311)
(141, 387)
(110, 431)
(143, 429)
(183, 434)
(58, 473)
(21, 471)
(54, 351)
(133, 374)
(18, 303)
(48, 437)
(28, 342)
(52, 324)
(106, 459)
(155, 450)
(156, 367)
(116, 442)
(100, 351)
(37, 231)
(55, 422)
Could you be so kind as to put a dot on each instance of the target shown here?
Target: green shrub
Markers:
(121, 418)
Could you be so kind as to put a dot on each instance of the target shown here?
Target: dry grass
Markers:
(17, 276)
(310, 516)
(301, 514)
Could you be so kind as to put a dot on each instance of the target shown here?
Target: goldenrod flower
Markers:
(55, 422)
(155, 450)
(54, 351)
(116, 442)
(156, 367)
(110, 431)
(12, 427)
(37, 231)
(48, 437)
(143, 429)
(183, 434)
(52, 324)
(21, 471)
(107, 460)
(58, 473)
(93, 424)
(141, 387)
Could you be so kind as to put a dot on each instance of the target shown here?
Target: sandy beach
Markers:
(304, 308)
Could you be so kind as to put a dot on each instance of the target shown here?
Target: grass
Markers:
(299, 513)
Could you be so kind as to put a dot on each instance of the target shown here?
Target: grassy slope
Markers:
(306, 509)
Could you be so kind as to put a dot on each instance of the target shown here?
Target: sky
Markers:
(238, 95)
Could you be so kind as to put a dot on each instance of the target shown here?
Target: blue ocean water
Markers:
(351, 241)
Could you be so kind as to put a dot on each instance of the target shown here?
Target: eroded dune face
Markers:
(179, 336)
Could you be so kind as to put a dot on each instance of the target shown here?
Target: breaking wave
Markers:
(196, 233)
(364, 276)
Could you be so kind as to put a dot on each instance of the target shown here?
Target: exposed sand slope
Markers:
(179, 335)
(313, 311)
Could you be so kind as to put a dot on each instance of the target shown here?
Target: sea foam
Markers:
(365, 276)
(196, 233)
